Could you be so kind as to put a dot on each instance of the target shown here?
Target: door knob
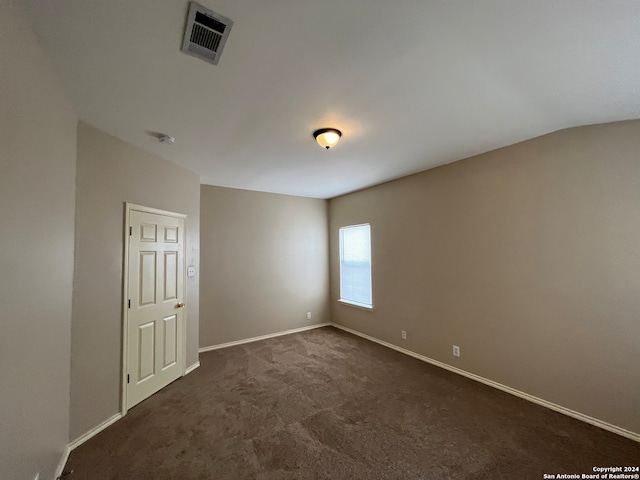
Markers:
(180, 305)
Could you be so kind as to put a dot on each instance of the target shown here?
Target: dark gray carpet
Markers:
(325, 404)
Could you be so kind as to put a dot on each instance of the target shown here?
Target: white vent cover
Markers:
(205, 34)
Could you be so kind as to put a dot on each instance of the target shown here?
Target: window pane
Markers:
(355, 264)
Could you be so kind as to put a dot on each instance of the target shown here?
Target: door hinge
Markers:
(130, 231)
(129, 303)
(127, 378)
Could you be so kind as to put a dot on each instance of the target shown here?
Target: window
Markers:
(355, 265)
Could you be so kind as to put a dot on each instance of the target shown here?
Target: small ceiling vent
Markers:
(206, 33)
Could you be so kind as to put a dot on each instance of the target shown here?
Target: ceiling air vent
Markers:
(206, 33)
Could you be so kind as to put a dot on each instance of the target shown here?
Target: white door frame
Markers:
(125, 292)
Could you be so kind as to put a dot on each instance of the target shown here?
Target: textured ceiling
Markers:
(412, 84)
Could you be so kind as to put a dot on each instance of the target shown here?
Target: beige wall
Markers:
(527, 257)
(37, 187)
(110, 173)
(264, 264)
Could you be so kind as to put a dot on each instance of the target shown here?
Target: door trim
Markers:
(128, 207)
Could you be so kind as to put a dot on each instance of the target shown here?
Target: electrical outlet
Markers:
(308, 315)
(456, 351)
(404, 335)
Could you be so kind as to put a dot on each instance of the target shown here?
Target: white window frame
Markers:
(340, 259)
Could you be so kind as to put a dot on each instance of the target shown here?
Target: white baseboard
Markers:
(191, 368)
(94, 431)
(552, 406)
(539, 401)
(83, 438)
(63, 462)
(263, 337)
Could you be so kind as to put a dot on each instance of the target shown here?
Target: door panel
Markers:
(171, 235)
(146, 348)
(156, 294)
(147, 278)
(170, 339)
(148, 232)
(170, 275)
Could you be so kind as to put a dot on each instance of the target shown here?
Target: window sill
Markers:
(356, 305)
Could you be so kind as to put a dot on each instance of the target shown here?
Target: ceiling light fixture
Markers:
(327, 137)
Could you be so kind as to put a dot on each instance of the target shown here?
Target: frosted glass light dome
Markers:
(327, 137)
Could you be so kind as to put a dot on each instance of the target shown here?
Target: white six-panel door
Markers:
(155, 304)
